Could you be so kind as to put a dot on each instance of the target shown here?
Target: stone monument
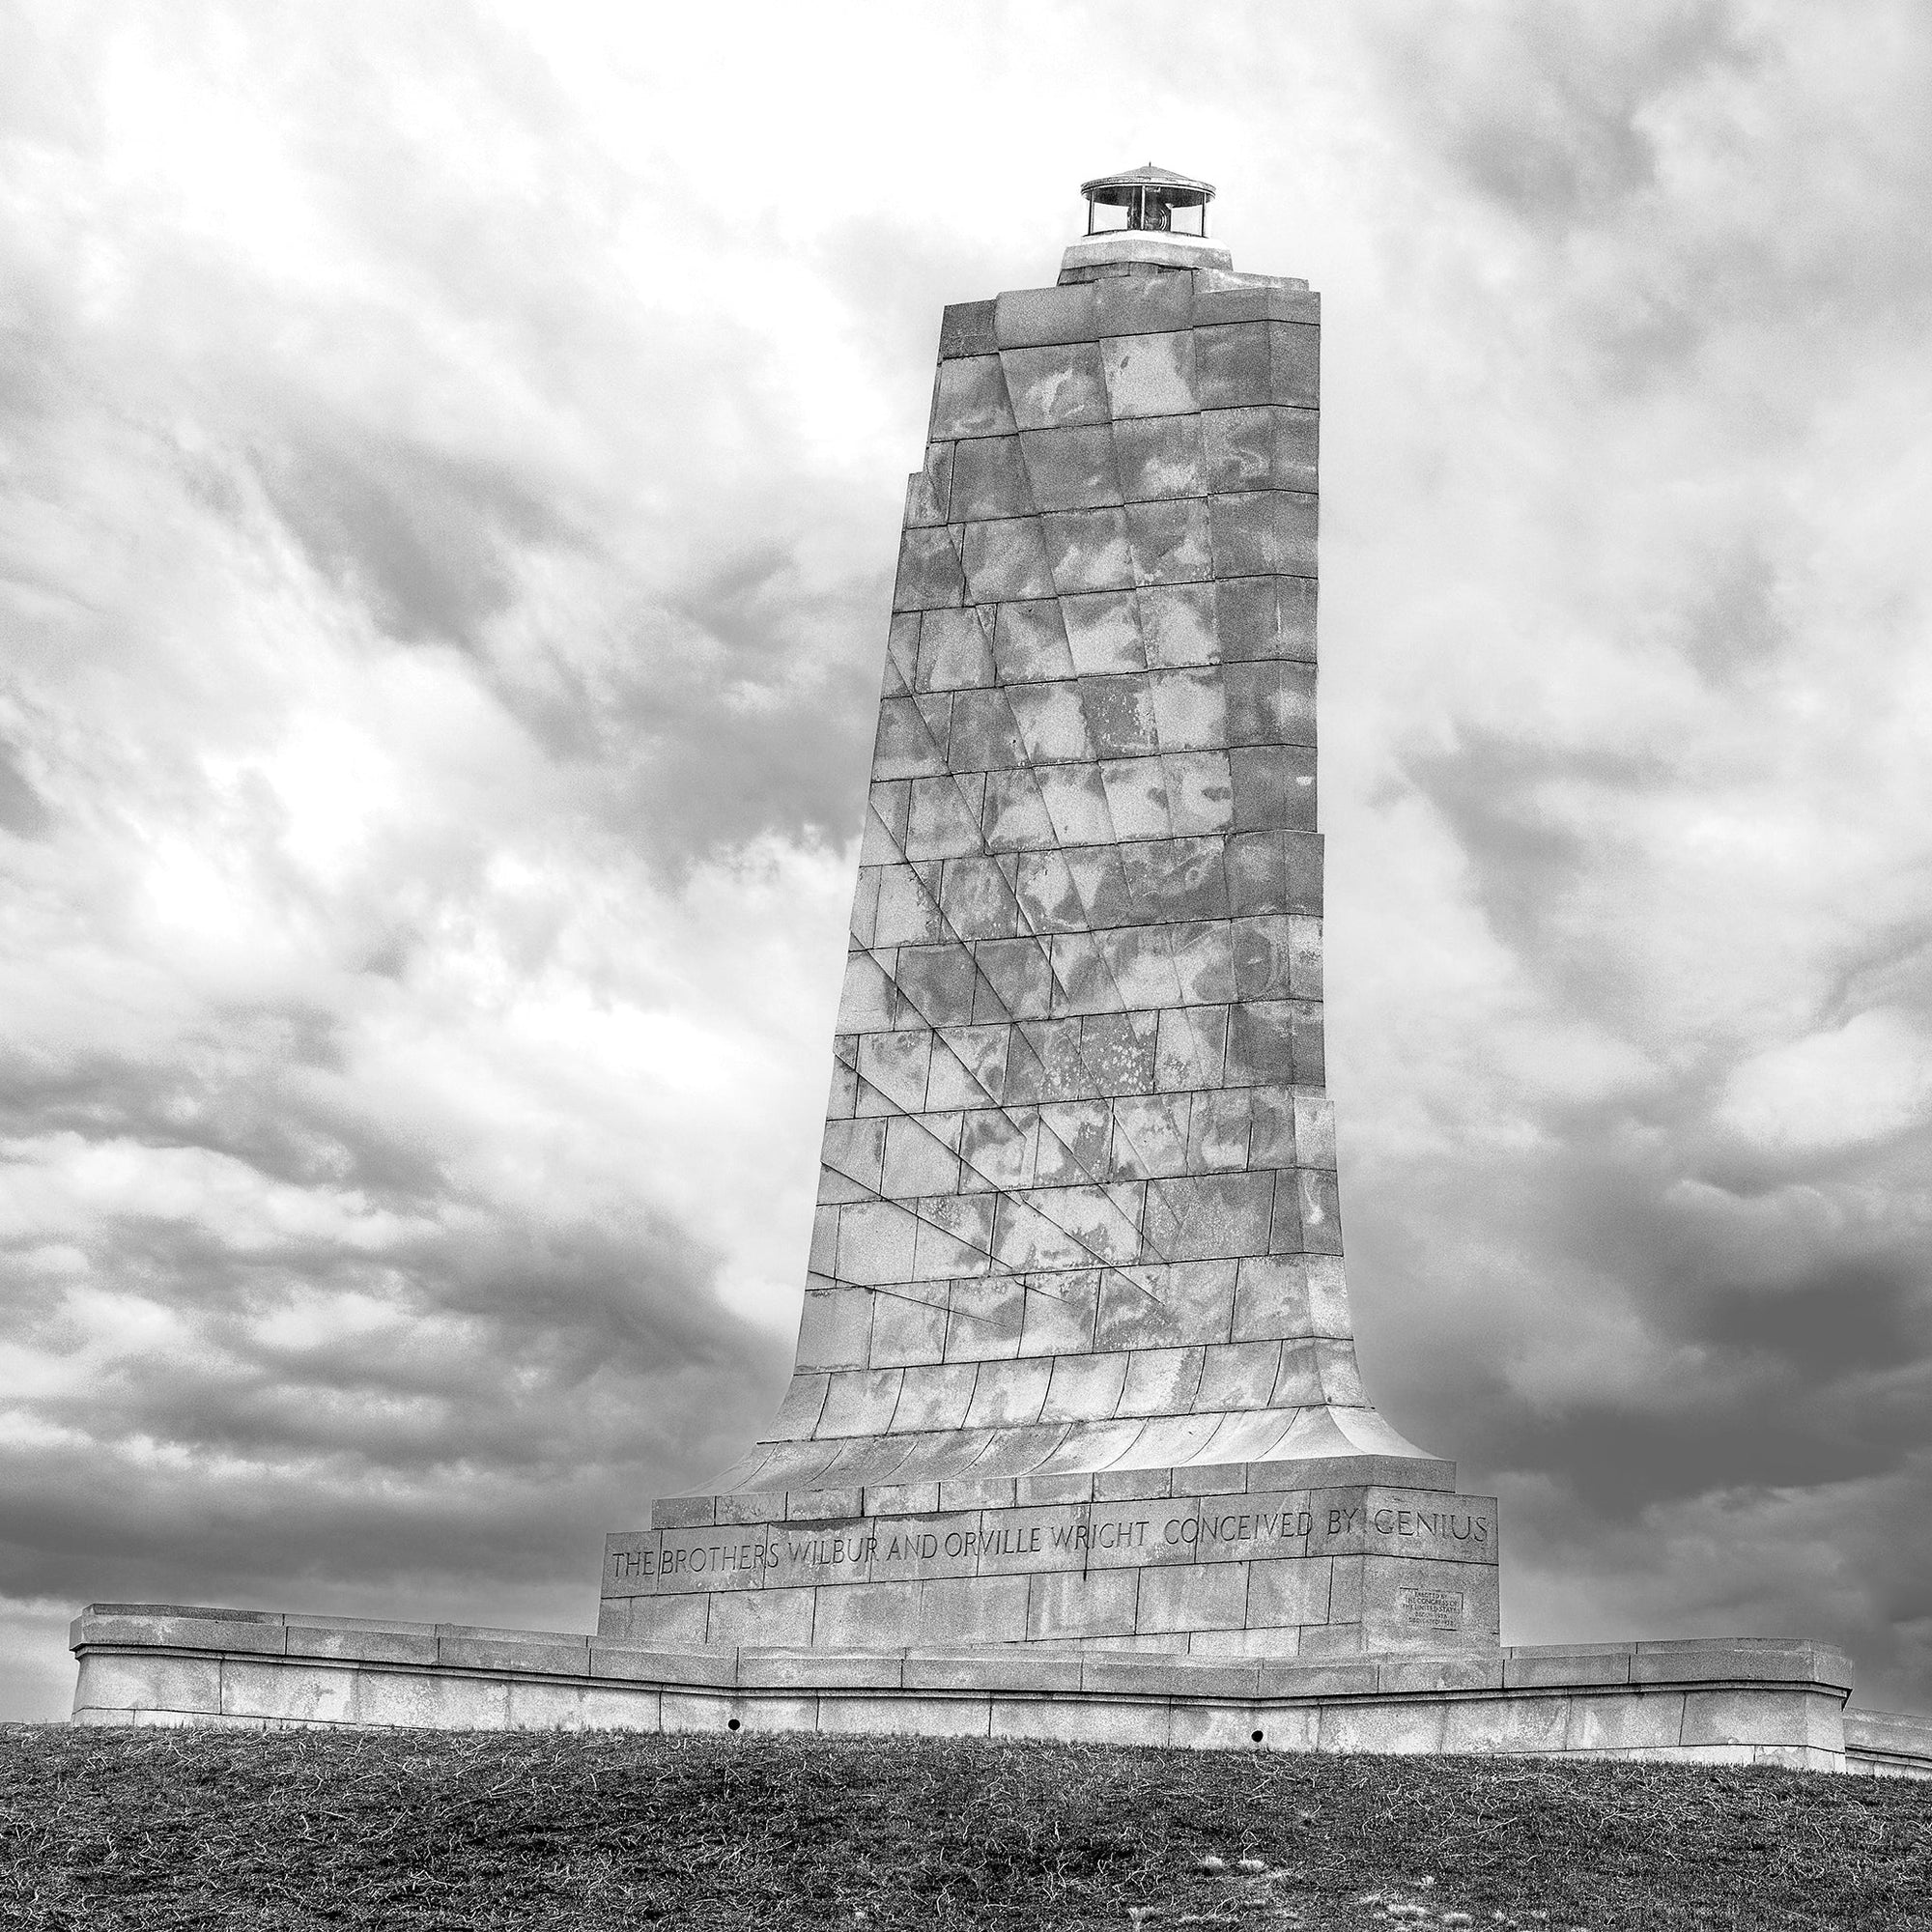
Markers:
(1076, 1365)
(1075, 1377)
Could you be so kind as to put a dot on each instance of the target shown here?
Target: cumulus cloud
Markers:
(453, 474)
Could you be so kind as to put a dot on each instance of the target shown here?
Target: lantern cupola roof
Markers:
(1150, 194)
(1161, 224)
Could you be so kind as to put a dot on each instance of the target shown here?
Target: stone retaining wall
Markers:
(1744, 1701)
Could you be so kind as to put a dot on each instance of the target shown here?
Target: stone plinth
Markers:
(1076, 1364)
(1250, 1566)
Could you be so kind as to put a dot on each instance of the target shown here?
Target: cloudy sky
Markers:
(450, 468)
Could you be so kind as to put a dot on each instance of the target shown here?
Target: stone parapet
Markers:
(1891, 1744)
(1743, 1702)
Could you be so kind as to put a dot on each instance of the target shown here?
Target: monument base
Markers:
(1278, 1559)
(1745, 1701)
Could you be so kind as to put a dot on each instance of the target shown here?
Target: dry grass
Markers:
(416, 1830)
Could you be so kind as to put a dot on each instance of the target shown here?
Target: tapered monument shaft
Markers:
(1078, 1244)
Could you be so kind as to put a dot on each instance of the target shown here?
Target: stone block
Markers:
(906, 913)
(975, 897)
(1011, 560)
(421, 1701)
(1014, 977)
(1311, 1676)
(1192, 1595)
(911, 740)
(1190, 709)
(1519, 1724)
(1008, 1394)
(1625, 1720)
(1118, 1051)
(1273, 787)
(976, 1610)
(537, 1653)
(1296, 448)
(149, 1681)
(1407, 1524)
(798, 1417)
(1159, 457)
(1170, 542)
(1423, 1673)
(985, 1317)
(1054, 386)
(1256, 299)
(1086, 550)
(907, 1331)
(1233, 1727)
(1031, 316)
(1180, 631)
(738, 1618)
(1565, 1667)
(1763, 1660)
(1182, 1303)
(1796, 1719)
(967, 328)
(1318, 1210)
(300, 1694)
(1151, 375)
(1104, 631)
(664, 1621)
(989, 478)
(1395, 1728)
(1079, 1603)
(986, 738)
(1290, 1590)
(1066, 1721)
(1030, 642)
(1143, 304)
(546, 1707)
(859, 1616)
(797, 1668)
(1232, 367)
(1200, 1216)
(1003, 1669)
(937, 1395)
(929, 492)
(181, 1629)
(1175, 880)
(764, 1712)
(1136, 789)
(1117, 1673)
(818, 1501)
(1071, 469)
(1053, 727)
(1263, 1642)
(1120, 715)
(969, 398)
(362, 1644)
(1295, 352)
(955, 650)
(1903, 1739)
(929, 572)
(843, 1714)
(1191, 1049)
(1210, 1479)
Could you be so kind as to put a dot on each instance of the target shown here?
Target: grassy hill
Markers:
(408, 1830)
